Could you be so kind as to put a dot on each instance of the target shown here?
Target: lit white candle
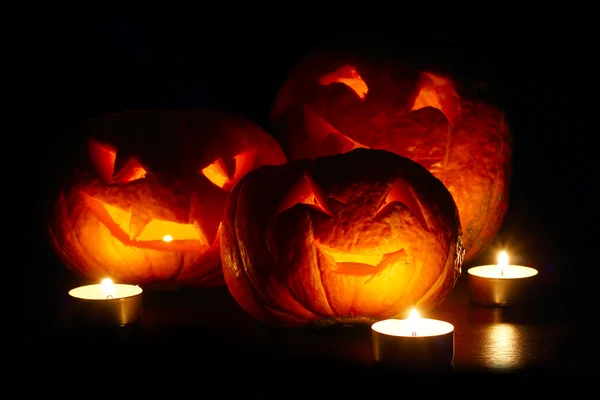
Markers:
(413, 341)
(413, 326)
(503, 270)
(500, 284)
(106, 290)
(107, 303)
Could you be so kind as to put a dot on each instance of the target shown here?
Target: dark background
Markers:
(67, 68)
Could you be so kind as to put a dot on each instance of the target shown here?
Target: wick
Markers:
(501, 271)
(110, 296)
(414, 333)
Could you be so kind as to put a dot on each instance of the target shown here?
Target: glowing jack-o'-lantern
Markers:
(333, 102)
(347, 238)
(155, 216)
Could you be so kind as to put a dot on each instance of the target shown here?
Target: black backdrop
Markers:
(66, 68)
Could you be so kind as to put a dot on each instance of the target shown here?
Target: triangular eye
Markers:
(103, 156)
(349, 76)
(131, 171)
(219, 172)
(400, 192)
(305, 191)
(439, 93)
(225, 173)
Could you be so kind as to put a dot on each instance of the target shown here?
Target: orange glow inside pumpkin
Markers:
(349, 77)
(223, 173)
(358, 264)
(156, 234)
(436, 92)
(346, 257)
(305, 191)
(103, 157)
(217, 173)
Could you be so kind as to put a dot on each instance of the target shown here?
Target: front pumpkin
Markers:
(340, 239)
(148, 208)
(335, 101)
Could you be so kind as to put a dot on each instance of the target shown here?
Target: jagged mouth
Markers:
(158, 235)
(358, 264)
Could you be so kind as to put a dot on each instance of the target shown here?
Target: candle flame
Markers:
(108, 288)
(167, 238)
(502, 262)
(414, 314)
(413, 317)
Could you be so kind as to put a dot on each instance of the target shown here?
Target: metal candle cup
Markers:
(409, 343)
(106, 304)
(502, 284)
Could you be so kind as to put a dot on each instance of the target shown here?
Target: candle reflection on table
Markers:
(502, 346)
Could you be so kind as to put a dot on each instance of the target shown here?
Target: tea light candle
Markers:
(501, 284)
(413, 342)
(107, 304)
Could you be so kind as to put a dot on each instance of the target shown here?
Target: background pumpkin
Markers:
(345, 238)
(336, 100)
(147, 205)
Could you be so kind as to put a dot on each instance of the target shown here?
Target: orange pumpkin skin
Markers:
(111, 221)
(349, 238)
(333, 102)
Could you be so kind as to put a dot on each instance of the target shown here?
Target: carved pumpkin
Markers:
(333, 102)
(348, 238)
(148, 209)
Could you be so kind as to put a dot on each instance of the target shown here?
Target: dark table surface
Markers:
(200, 339)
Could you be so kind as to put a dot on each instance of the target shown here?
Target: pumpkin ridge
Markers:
(237, 242)
(310, 231)
(101, 265)
(149, 262)
(494, 187)
(64, 204)
(447, 153)
(254, 288)
(63, 253)
(320, 270)
(180, 266)
(449, 283)
(301, 303)
(440, 281)
(54, 239)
